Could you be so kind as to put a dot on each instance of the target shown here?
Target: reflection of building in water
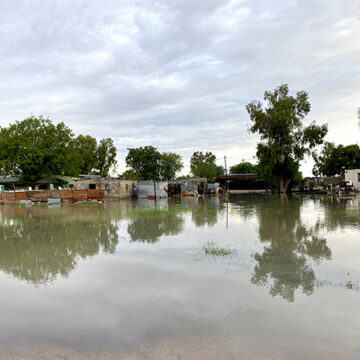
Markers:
(284, 262)
(38, 244)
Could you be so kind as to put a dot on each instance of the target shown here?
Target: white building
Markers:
(354, 177)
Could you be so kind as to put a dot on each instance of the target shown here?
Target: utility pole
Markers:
(226, 181)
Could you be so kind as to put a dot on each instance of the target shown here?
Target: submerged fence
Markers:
(65, 196)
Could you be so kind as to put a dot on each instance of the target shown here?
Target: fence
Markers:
(65, 196)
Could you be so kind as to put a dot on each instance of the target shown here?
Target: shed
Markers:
(115, 188)
(353, 175)
(152, 189)
(242, 183)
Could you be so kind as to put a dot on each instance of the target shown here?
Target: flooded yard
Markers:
(258, 277)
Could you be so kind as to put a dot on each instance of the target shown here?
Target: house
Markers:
(115, 188)
(46, 183)
(54, 182)
(9, 183)
(353, 176)
(242, 183)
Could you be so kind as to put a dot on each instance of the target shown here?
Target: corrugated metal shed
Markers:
(152, 189)
(212, 188)
(189, 187)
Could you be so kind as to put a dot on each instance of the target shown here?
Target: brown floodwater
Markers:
(137, 280)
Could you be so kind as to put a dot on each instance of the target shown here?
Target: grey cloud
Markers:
(177, 74)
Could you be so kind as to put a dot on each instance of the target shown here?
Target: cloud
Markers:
(177, 74)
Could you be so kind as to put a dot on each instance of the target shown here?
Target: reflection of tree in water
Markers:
(150, 227)
(38, 243)
(339, 213)
(291, 246)
(205, 213)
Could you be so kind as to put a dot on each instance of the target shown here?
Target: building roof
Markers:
(89, 176)
(9, 180)
(237, 176)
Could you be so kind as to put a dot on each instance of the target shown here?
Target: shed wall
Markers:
(114, 188)
(354, 176)
(147, 189)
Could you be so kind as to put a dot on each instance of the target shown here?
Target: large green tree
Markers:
(204, 165)
(244, 167)
(35, 147)
(170, 164)
(144, 162)
(285, 140)
(105, 157)
(334, 160)
(147, 163)
(86, 151)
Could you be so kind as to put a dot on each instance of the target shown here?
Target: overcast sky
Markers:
(178, 74)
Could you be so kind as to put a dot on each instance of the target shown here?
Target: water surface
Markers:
(130, 280)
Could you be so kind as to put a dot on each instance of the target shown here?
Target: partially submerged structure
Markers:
(51, 196)
(242, 183)
(353, 176)
(114, 188)
(152, 189)
(45, 183)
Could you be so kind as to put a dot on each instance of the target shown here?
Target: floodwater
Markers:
(124, 280)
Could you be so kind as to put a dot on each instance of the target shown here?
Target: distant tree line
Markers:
(334, 160)
(36, 147)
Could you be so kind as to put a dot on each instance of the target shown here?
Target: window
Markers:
(92, 186)
(358, 177)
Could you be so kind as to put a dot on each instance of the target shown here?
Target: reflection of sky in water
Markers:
(119, 277)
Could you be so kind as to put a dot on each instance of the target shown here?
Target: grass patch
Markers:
(85, 203)
(211, 248)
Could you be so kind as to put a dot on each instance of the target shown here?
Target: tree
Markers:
(86, 151)
(204, 165)
(145, 162)
(244, 168)
(170, 164)
(286, 140)
(35, 148)
(128, 174)
(334, 160)
(105, 157)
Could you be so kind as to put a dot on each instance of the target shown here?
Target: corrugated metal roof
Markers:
(9, 180)
(236, 176)
(89, 176)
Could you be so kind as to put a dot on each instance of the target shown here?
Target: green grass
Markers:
(211, 248)
(85, 203)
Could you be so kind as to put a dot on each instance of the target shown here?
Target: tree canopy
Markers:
(35, 147)
(147, 163)
(204, 165)
(285, 140)
(334, 160)
(105, 157)
(170, 164)
(86, 148)
(244, 167)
